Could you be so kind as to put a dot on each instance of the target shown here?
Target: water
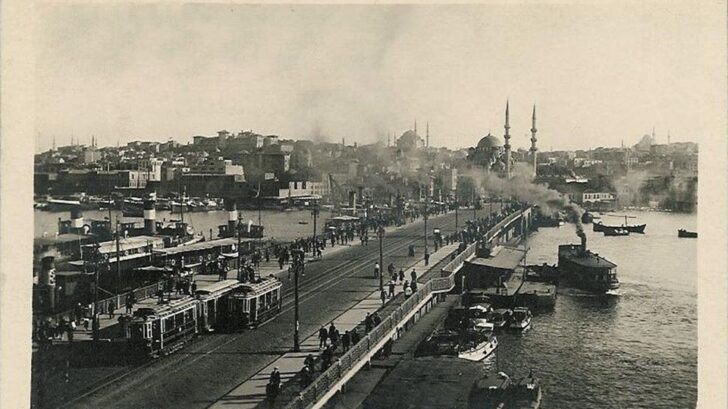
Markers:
(636, 349)
(278, 225)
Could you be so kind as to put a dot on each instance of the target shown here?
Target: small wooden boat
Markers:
(302, 222)
(687, 234)
(521, 319)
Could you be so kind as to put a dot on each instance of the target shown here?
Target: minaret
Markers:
(415, 127)
(507, 145)
(653, 135)
(533, 140)
(54, 142)
(427, 135)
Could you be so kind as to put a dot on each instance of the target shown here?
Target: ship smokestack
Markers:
(76, 217)
(232, 209)
(581, 234)
(150, 217)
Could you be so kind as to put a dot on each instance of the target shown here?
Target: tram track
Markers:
(311, 285)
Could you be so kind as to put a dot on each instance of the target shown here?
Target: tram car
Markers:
(254, 303)
(162, 329)
(213, 310)
(228, 305)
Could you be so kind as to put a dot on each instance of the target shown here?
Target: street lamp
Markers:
(239, 228)
(380, 232)
(425, 213)
(315, 213)
(297, 267)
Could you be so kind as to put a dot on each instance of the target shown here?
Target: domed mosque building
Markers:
(489, 154)
(494, 156)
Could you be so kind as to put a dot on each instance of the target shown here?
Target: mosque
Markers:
(495, 157)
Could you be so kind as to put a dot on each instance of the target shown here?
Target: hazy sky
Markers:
(598, 74)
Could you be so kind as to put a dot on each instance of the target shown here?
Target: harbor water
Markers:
(634, 349)
(283, 226)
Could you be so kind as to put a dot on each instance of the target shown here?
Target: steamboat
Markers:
(580, 268)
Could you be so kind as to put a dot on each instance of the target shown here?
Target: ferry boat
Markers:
(687, 234)
(521, 319)
(580, 268)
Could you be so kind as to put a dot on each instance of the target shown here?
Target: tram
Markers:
(228, 305)
(255, 304)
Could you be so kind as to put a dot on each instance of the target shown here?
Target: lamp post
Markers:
(95, 324)
(239, 230)
(380, 232)
(297, 267)
(425, 214)
(315, 212)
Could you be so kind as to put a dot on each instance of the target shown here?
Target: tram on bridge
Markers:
(228, 305)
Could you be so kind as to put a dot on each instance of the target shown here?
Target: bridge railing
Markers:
(323, 383)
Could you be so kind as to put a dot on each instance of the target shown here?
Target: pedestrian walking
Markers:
(390, 268)
(427, 259)
(391, 288)
(368, 323)
(413, 275)
(413, 286)
(111, 307)
(309, 362)
(306, 376)
(346, 340)
(354, 337)
(323, 336)
(401, 274)
(332, 332)
(376, 319)
(376, 270)
(383, 296)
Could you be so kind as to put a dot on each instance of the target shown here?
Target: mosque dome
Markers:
(489, 142)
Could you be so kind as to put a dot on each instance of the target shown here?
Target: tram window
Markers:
(188, 315)
(169, 323)
(268, 299)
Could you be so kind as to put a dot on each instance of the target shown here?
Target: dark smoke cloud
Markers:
(522, 188)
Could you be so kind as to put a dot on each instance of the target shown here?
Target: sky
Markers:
(598, 74)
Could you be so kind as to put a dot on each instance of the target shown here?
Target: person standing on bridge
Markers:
(401, 275)
(391, 288)
(413, 275)
(427, 258)
(323, 335)
(346, 340)
(383, 296)
(332, 332)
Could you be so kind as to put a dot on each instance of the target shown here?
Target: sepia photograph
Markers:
(372, 206)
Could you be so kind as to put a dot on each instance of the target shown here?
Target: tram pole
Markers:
(381, 258)
(297, 265)
(425, 214)
(315, 217)
(239, 227)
